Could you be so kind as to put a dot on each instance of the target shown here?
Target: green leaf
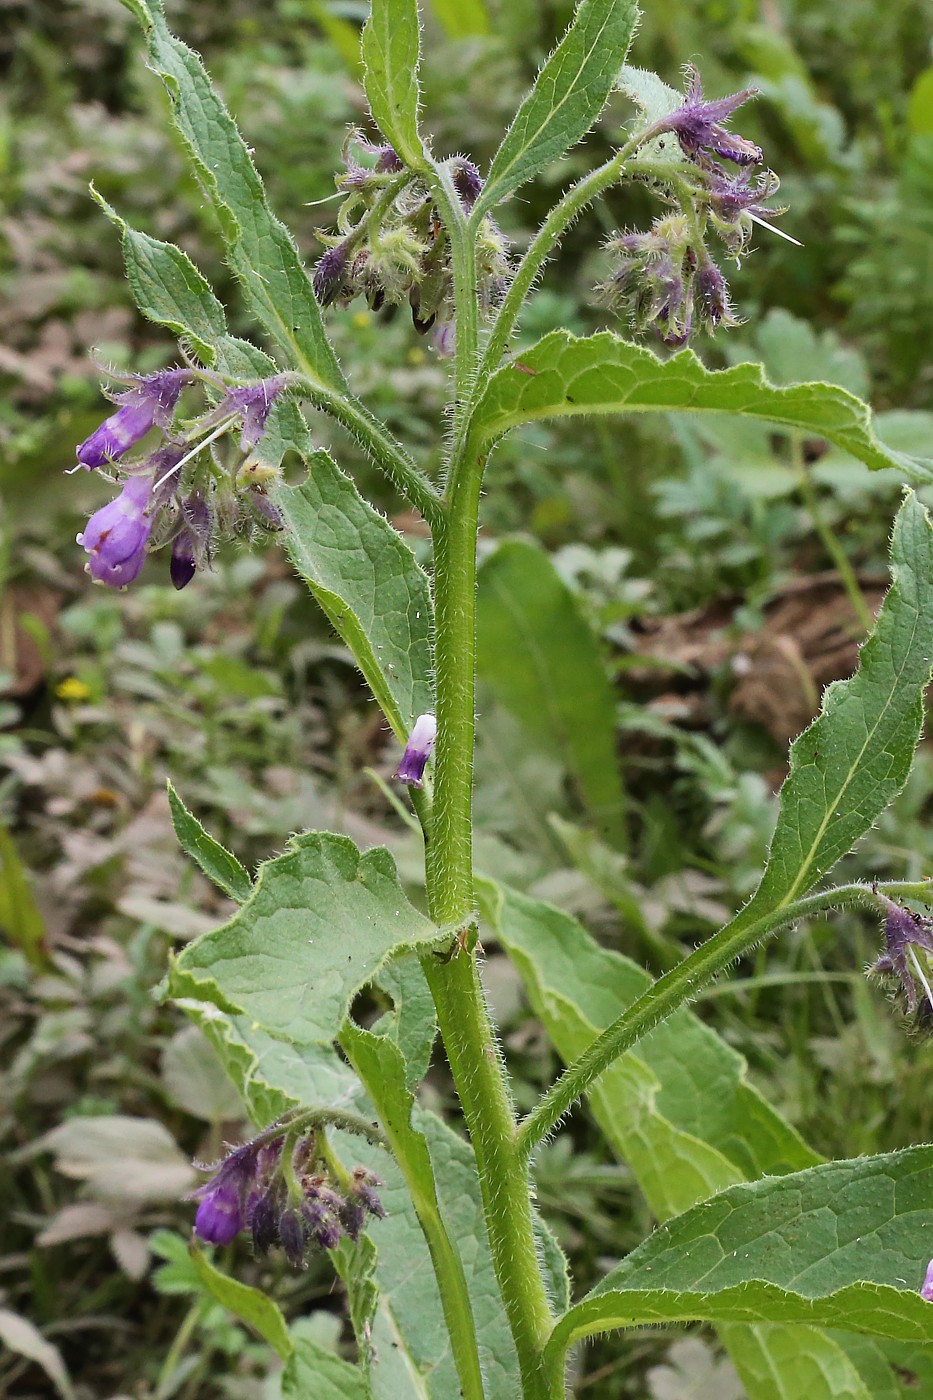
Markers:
(678, 1109)
(843, 1244)
(21, 920)
(368, 583)
(260, 249)
(561, 691)
(461, 19)
(412, 1022)
(564, 375)
(218, 864)
(391, 46)
(312, 1371)
(779, 1361)
(250, 1305)
(569, 93)
(854, 758)
(271, 1075)
(169, 289)
(321, 921)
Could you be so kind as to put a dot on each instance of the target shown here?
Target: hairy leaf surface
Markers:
(391, 46)
(321, 921)
(259, 247)
(569, 93)
(564, 375)
(845, 1244)
(368, 583)
(218, 864)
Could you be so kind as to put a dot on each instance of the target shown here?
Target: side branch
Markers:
(673, 990)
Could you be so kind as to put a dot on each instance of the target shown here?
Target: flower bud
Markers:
(417, 751)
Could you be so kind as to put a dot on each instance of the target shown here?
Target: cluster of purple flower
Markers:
(392, 246)
(297, 1204)
(666, 278)
(904, 933)
(177, 494)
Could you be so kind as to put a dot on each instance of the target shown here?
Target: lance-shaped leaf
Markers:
(561, 691)
(260, 249)
(320, 922)
(250, 1305)
(844, 1244)
(368, 583)
(855, 757)
(569, 93)
(565, 375)
(218, 864)
(391, 45)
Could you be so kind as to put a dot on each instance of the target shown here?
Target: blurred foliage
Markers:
(682, 547)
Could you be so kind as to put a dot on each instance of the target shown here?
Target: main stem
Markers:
(469, 1038)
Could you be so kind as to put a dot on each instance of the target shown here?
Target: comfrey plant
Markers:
(454, 1286)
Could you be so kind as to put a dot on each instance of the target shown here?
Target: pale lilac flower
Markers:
(417, 751)
(253, 402)
(116, 536)
(698, 125)
(150, 401)
(903, 932)
(926, 1291)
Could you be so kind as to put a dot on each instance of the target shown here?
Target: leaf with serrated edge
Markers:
(321, 921)
(368, 583)
(565, 375)
(569, 93)
(250, 1305)
(854, 758)
(843, 1244)
(391, 46)
(260, 249)
(218, 864)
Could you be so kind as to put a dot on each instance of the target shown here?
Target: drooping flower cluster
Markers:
(287, 1193)
(181, 493)
(905, 935)
(666, 279)
(392, 246)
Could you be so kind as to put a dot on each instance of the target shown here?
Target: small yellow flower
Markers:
(361, 320)
(416, 356)
(73, 689)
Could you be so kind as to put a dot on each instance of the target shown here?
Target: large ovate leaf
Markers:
(565, 375)
(368, 583)
(391, 46)
(843, 1244)
(321, 921)
(260, 249)
(569, 93)
(539, 657)
(854, 758)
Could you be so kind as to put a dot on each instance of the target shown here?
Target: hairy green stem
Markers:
(470, 1041)
(670, 992)
(573, 202)
(382, 448)
(446, 1262)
